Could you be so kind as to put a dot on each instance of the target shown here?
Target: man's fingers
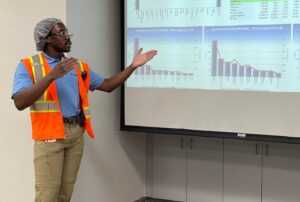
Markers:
(68, 63)
(151, 53)
(139, 51)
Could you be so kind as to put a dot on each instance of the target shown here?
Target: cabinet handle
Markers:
(181, 143)
(191, 143)
(267, 150)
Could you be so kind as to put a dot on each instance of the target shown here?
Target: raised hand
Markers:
(141, 58)
(63, 67)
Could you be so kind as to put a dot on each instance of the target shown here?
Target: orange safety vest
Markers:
(46, 117)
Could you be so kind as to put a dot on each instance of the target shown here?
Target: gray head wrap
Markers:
(42, 29)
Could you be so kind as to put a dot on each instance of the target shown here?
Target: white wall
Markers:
(113, 166)
(17, 20)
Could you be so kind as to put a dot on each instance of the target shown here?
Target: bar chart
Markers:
(296, 39)
(147, 70)
(248, 57)
(239, 58)
(234, 68)
(177, 62)
(172, 12)
(150, 4)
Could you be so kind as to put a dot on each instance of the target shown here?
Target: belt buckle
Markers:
(71, 120)
(74, 120)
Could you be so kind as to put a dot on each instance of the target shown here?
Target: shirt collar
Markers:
(51, 59)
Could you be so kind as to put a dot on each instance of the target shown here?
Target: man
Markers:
(55, 87)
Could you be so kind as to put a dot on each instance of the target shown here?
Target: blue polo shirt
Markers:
(67, 86)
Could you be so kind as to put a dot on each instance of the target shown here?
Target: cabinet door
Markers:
(205, 169)
(242, 171)
(281, 172)
(169, 167)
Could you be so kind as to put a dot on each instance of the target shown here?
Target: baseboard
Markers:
(143, 199)
(149, 199)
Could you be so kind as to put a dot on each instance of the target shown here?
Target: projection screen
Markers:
(224, 68)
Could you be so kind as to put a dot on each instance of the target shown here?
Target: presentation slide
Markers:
(222, 66)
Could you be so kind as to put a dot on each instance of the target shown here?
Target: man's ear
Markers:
(47, 39)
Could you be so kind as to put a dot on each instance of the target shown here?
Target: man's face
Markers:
(60, 38)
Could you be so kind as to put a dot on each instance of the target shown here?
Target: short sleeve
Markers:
(22, 79)
(96, 80)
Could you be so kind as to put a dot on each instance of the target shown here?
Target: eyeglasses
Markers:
(62, 34)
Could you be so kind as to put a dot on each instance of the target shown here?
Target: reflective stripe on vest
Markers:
(38, 70)
(37, 66)
(80, 66)
(49, 106)
(87, 112)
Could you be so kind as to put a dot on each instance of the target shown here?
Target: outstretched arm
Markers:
(139, 59)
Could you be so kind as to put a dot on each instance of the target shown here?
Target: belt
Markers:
(71, 120)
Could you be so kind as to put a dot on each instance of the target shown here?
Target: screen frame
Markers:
(183, 132)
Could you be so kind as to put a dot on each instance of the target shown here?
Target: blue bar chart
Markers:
(296, 39)
(177, 62)
(239, 58)
(248, 57)
(176, 4)
(234, 68)
(154, 12)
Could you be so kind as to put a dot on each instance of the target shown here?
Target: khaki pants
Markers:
(56, 165)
